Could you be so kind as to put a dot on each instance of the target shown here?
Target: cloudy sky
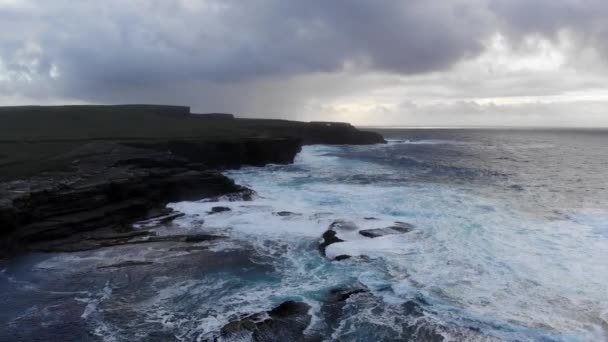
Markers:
(380, 62)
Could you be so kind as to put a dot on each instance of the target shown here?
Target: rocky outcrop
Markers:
(217, 210)
(333, 305)
(331, 236)
(230, 153)
(286, 213)
(286, 322)
(106, 179)
(397, 228)
(256, 152)
(328, 238)
(342, 225)
(338, 133)
(68, 212)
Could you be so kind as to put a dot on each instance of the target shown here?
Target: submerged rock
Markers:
(286, 213)
(286, 322)
(216, 210)
(397, 228)
(333, 306)
(343, 225)
(127, 264)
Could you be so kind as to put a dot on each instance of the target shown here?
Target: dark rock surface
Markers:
(286, 213)
(216, 210)
(342, 257)
(332, 307)
(230, 154)
(127, 264)
(342, 303)
(343, 225)
(340, 133)
(329, 237)
(63, 211)
(286, 322)
(397, 228)
(71, 175)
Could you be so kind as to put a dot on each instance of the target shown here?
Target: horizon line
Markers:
(480, 127)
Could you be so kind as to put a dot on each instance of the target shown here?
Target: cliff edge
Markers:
(78, 177)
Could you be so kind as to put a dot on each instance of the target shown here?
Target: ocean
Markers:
(509, 242)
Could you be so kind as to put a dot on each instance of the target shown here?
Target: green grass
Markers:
(126, 122)
(35, 139)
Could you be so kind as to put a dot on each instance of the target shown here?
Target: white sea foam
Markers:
(93, 302)
(427, 142)
(478, 260)
(468, 252)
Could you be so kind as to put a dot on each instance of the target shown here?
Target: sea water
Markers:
(510, 242)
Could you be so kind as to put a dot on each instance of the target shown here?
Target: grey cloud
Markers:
(99, 45)
(264, 57)
(586, 20)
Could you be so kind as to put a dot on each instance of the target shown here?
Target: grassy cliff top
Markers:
(36, 123)
(38, 138)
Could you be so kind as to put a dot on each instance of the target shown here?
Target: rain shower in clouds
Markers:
(462, 62)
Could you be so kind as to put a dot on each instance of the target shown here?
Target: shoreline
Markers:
(93, 193)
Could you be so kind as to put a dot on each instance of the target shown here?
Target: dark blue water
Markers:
(510, 243)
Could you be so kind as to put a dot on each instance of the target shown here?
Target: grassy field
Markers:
(35, 139)
(122, 122)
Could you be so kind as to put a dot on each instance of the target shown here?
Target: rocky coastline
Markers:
(94, 197)
(104, 189)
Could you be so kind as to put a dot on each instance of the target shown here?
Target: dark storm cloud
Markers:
(107, 44)
(218, 51)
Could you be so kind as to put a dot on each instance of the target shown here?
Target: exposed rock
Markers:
(342, 257)
(420, 330)
(122, 236)
(108, 202)
(286, 322)
(217, 210)
(317, 132)
(329, 237)
(286, 213)
(415, 327)
(397, 228)
(109, 179)
(343, 225)
(76, 244)
(333, 305)
(160, 220)
(256, 152)
(127, 264)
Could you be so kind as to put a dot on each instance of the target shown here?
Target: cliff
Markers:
(78, 177)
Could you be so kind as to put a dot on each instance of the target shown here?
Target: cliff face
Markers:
(337, 133)
(73, 180)
(231, 153)
(107, 193)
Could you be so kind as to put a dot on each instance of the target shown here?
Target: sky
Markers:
(380, 62)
